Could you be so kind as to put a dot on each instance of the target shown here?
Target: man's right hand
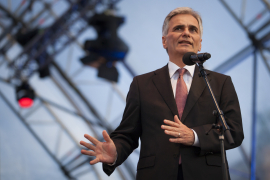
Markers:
(104, 152)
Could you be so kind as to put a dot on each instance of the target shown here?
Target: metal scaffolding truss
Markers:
(58, 119)
(258, 31)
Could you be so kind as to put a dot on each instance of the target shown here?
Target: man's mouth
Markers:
(185, 42)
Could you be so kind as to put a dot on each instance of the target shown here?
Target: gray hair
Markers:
(181, 10)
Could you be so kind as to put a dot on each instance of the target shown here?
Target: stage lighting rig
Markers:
(108, 44)
(25, 95)
(108, 71)
(108, 48)
(23, 37)
(93, 60)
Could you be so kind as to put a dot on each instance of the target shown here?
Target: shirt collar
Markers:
(173, 68)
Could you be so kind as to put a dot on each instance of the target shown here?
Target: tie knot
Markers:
(181, 71)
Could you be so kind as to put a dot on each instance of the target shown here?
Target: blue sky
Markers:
(222, 37)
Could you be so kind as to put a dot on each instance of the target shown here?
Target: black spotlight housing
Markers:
(108, 48)
(108, 72)
(93, 60)
(89, 59)
(23, 37)
(25, 95)
(108, 44)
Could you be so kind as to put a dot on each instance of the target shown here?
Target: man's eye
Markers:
(193, 30)
(178, 28)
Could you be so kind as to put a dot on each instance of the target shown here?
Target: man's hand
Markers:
(181, 132)
(103, 151)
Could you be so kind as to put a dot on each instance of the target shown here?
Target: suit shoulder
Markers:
(149, 75)
(216, 74)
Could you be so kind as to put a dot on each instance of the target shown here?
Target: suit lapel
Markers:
(197, 87)
(162, 82)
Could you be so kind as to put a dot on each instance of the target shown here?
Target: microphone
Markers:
(191, 58)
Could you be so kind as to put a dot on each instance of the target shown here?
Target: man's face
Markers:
(183, 35)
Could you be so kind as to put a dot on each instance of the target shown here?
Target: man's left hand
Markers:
(181, 132)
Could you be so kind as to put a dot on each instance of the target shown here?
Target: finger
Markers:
(88, 145)
(171, 123)
(177, 120)
(175, 140)
(169, 128)
(175, 134)
(106, 136)
(89, 153)
(92, 139)
(95, 161)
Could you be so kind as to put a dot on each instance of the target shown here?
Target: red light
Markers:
(22, 3)
(25, 102)
(41, 21)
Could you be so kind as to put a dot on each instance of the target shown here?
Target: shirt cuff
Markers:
(196, 141)
(114, 161)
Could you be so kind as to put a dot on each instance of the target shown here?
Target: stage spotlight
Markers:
(106, 69)
(108, 72)
(93, 60)
(23, 37)
(108, 44)
(108, 48)
(25, 95)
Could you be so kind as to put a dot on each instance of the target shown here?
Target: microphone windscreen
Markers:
(187, 60)
(206, 56)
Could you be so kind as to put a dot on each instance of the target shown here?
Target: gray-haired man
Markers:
(170, 111)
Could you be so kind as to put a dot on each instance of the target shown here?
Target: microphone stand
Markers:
(224, 128)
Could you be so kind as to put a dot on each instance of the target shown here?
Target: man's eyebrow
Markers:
(192, 26)
(179, 25)
(182, 25)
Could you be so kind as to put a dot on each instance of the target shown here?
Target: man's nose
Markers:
(186, 32)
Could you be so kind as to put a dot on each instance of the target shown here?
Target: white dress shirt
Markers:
(188, 76)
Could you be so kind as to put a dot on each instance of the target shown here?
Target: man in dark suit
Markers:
(170, 111)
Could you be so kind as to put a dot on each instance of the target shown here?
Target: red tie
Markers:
(181, 93)
(181, 96)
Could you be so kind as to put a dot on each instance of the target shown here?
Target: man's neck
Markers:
(178, 61)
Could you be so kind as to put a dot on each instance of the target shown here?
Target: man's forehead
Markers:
(184, 19)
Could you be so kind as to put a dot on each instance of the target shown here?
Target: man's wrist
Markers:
(196, 139)
(114, 161)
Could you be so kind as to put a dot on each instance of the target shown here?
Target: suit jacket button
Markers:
(175, 155)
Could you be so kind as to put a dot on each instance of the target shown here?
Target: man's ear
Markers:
(200, 45)
(164, 42)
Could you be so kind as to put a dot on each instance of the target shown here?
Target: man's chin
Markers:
(184, 51)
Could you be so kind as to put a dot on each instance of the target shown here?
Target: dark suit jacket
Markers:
(150, 100)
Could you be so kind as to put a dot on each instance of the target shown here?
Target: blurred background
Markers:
(66, 67)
